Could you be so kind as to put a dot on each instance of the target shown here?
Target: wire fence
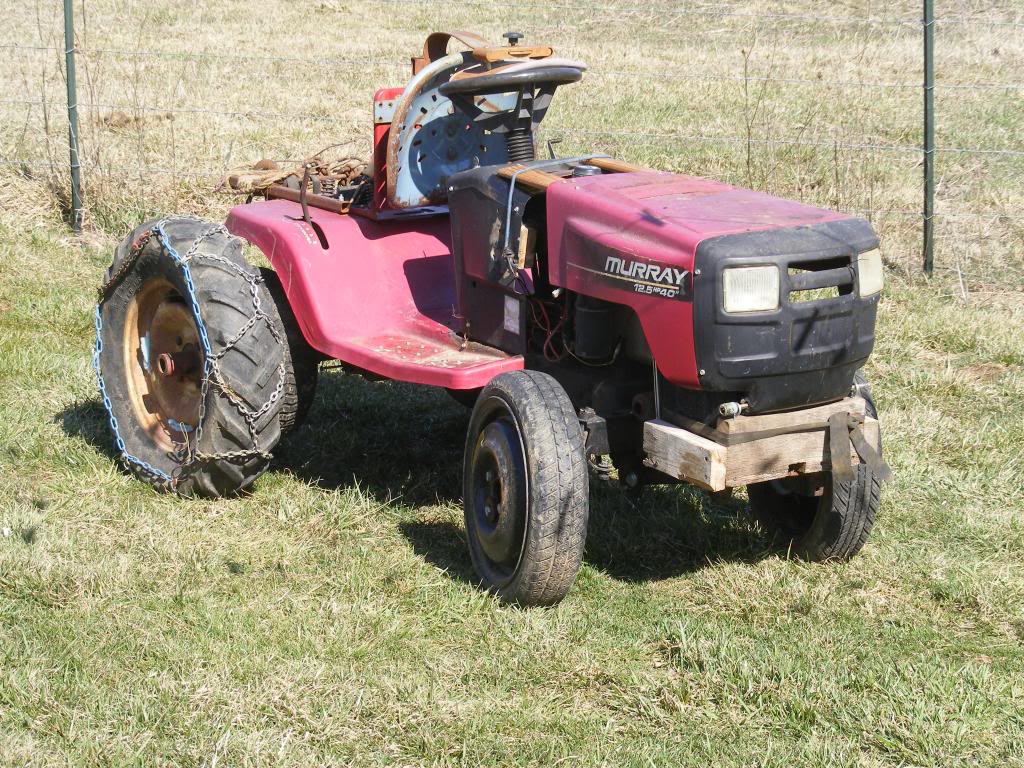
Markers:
(360, 63)
(634, 135)
(149, 111)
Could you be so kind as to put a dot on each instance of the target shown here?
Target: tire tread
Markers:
(251, 368)
(558, 497)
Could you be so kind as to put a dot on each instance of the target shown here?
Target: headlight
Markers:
(869, 272)
(750, 289)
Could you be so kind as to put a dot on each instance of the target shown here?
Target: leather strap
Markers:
(870, 456)
(844, 429)
(436, 46)
(839, 446)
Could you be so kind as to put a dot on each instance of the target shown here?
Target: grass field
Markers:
(331, 617)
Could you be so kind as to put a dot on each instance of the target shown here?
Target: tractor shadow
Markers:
(399, 442)
(88, 420)
(443, 545)
(667, 531)
(403, 444)
(670, 534)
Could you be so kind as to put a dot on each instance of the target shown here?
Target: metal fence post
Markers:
(929, 136)
(69, 63)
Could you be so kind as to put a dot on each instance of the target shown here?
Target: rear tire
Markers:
(302, 362)
(192, 412)
(525, 489)
(820, 518)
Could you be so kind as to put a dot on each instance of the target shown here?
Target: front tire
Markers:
(822, 518)
(525, 489)
(189, 358)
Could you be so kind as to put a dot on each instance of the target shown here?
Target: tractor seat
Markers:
(464, 109)
(510, 74)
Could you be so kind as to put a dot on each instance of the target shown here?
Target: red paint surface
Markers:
(659, 218)
(380, 297)
(381, 132)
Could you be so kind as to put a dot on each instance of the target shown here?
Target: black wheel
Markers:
(302, 362)
(821, 518)
(525, 489)
(190, 359)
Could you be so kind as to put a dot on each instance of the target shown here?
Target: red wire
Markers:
(550, 353)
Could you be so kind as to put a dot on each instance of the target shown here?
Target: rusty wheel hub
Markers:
(164, 363)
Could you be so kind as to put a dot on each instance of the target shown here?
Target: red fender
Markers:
(380, 297)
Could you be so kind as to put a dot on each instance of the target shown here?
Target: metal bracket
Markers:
(384, 112)
(595, 432)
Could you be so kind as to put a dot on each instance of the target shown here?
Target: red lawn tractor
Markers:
(593, 314)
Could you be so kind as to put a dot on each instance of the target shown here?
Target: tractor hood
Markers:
(658, 218)
(657, 242)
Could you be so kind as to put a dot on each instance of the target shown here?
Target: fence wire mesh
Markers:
(825, 107)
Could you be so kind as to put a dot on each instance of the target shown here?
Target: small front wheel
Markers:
(822, 518)
(525, 489)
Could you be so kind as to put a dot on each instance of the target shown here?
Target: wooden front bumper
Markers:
(739, 456)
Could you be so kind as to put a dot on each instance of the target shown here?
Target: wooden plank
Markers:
(745, 424)
(682, 454)
(535, 180)
(538, 181)
(494, 54)
(612, 165)
(873, 433)
(771, 458)
(527, 246)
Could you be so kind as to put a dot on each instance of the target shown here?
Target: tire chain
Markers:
(189, 456)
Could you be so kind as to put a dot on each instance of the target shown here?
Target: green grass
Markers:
(331, 617)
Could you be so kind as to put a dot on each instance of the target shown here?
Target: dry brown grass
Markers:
(240, 82)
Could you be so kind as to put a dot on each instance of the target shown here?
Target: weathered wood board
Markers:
(679, 453)
(714, 466)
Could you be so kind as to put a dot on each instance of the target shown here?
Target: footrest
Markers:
(440, 357)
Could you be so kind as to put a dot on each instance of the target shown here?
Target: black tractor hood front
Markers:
(804, 352)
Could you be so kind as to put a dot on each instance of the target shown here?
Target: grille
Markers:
(820, 279)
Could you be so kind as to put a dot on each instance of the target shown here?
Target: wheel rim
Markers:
(498, 493)
(164, 363)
